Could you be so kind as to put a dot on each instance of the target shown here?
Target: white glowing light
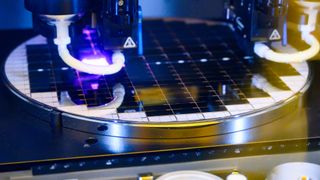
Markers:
(97, 62)
(226, 59)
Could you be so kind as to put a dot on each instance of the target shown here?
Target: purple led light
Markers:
(87, 32)
(88, 37)
(95, 86)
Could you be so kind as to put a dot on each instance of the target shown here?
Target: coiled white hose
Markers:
(264, 51)
(63, 39)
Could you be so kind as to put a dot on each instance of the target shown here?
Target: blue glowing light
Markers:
(64, 68)
(248, 57)
(140, 32)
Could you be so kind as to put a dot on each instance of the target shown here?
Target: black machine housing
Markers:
(259, 21)
(117, 20)
(114, 20)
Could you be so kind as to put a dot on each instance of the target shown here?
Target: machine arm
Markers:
(114, 21)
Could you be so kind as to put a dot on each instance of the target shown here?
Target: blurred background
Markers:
(14, 16)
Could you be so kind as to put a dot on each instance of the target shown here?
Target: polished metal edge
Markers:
(171, 130)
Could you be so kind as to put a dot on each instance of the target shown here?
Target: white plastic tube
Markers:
(118, 94)
(63, 39)
(264, 51)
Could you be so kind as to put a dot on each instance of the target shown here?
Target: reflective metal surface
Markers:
(175, 90)
(27, 141)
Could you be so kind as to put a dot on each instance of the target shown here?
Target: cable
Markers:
(63, 39)
(264, 51)
(118, 93)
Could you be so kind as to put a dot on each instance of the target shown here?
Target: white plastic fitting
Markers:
(262, 83)
(62, 41)
(118, 94)
(236, 176)
(295, 171)
(189, 175)
(264, 51)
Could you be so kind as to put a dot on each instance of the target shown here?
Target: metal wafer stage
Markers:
(193, 80)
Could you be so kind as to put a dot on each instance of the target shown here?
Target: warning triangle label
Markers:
(129, 43)
(275, 35)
